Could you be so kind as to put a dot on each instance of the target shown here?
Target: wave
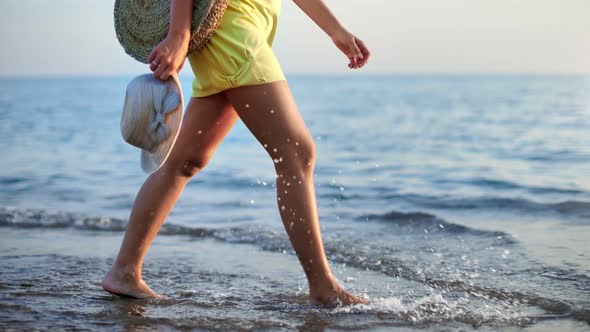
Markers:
(44, 218)
(509, 185)
(568, 208)
(338, 249)
(425, 222)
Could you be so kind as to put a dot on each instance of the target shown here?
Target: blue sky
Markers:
(76, 37)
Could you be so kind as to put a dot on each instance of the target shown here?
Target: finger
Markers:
(352, 60)
(364, 50)
(161, 68)
(158, 60)
(153, 67)
(166, 73)
(356, 53)
(355, 62)
(154, 55)
(360, 59)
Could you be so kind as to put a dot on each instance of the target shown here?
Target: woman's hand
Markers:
(354, 49)
(169, 56)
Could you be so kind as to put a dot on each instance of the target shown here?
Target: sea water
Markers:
(450, 202)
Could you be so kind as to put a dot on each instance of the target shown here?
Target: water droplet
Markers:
(274, 149)
(251, 201)
(247, 105)
(283, 207)
(199, 132)
(341, 188)
(276, 161)
(272, 111)
(265, 145)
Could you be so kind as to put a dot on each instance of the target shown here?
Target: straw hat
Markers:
(152, 116)
(141, 25)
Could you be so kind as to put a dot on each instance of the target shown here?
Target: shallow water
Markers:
(451, 202)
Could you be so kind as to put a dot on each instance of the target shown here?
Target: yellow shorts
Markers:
(240, 51)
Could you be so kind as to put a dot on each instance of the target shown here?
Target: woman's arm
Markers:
(170, 54)
(181, 13)
(354, 48)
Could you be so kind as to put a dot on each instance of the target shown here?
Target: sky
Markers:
(77, 37)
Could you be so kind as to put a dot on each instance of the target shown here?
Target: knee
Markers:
(187, 167)
(296, 154)
(306, 155)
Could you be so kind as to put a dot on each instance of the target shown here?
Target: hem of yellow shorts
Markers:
(212, 91)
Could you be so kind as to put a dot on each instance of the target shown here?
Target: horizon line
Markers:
(390, 73)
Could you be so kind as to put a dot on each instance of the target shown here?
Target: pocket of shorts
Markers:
(256, 70)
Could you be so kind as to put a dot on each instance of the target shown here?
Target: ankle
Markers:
(323, 284)
(125, 273)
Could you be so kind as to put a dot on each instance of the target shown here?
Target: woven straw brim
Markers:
(140, 25)
(204, 32)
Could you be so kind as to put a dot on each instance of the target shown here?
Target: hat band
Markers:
(158, 130)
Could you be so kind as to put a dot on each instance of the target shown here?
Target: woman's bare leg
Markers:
(206, 122)
(271, 114)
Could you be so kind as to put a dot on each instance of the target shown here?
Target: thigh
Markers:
(270, 112)
(206, 121)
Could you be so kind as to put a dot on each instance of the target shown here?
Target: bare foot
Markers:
(125, 284)
(332, 295)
